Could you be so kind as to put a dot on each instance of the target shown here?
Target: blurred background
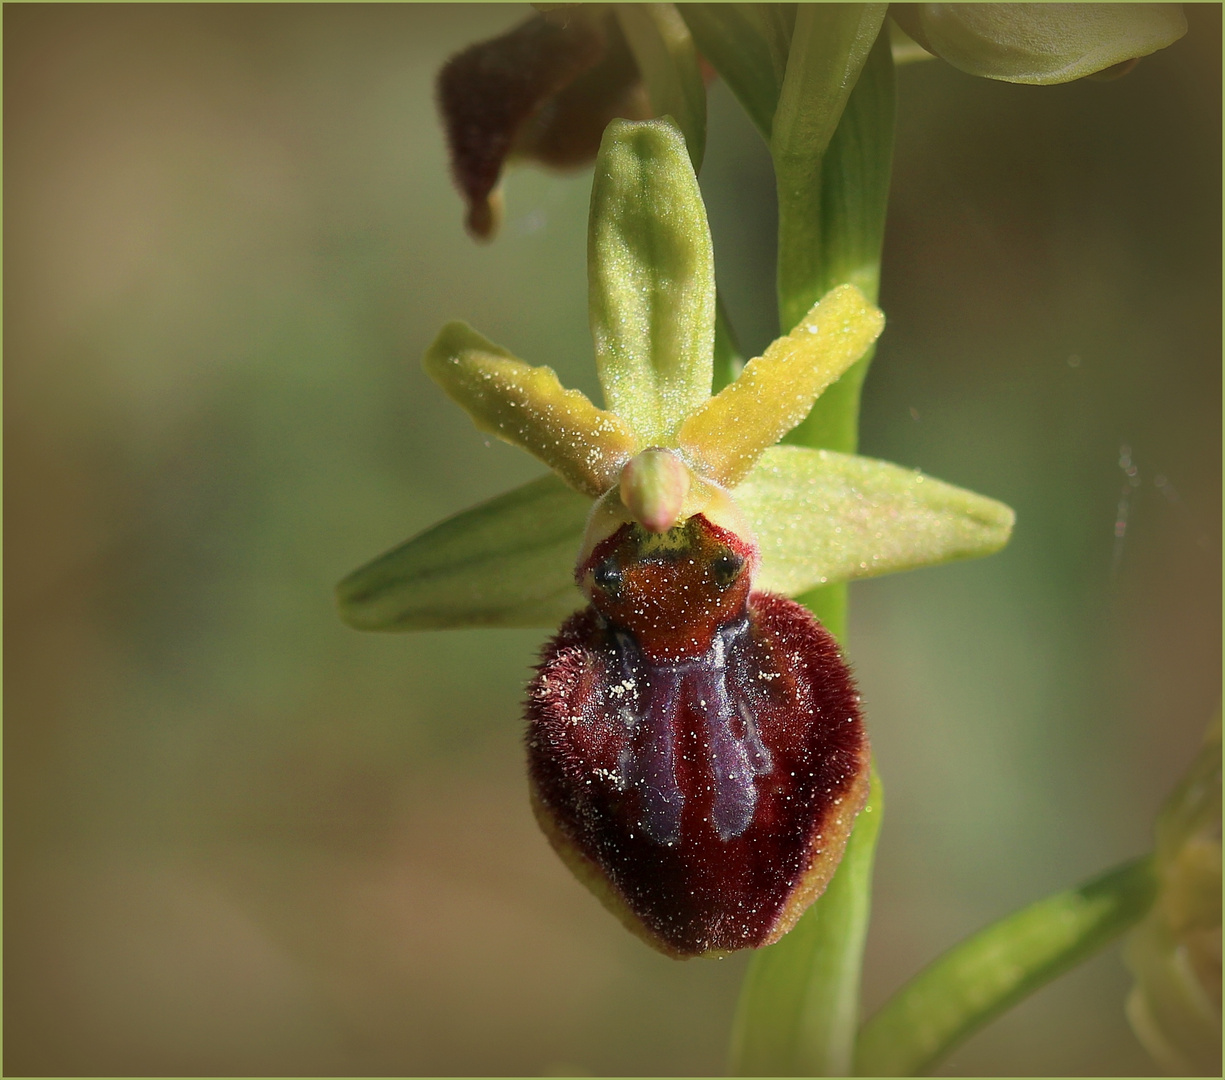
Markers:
(241, 838)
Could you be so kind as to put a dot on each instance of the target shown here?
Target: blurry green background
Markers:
(241, 838)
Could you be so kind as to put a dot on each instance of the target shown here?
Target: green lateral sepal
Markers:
(822, 518)
(527, 407)
(508, 562)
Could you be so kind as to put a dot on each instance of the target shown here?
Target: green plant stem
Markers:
(997, 967)
(829, 46)
(729, 357)
(799, 1005)
(798, 1010)
(849, 235)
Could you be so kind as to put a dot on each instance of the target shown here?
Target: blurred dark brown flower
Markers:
(542, 92)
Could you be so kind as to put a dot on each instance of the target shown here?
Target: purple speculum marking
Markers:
(652, 709)
(692, 744)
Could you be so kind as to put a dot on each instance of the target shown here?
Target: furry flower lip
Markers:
(695, 748)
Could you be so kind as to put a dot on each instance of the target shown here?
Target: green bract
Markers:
(1040, 43)
(665, 448)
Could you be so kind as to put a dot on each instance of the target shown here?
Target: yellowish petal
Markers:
(725, 437)
(527, 407)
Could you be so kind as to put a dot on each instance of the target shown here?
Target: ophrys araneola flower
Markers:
(696, 750)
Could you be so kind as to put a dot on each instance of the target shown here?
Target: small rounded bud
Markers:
(653, 488)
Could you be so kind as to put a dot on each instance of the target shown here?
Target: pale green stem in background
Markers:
(854, 196)
(729, 357)
(665, 53)
(847, 227)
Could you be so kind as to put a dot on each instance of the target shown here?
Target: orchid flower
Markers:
(670, 522)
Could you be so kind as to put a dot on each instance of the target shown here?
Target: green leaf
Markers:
(1040, 43)
(651, 279)
(663, 48)
(904, 48)
(855, 178)
(799, 1006)
(729, 432)
(829, 45)
(747, 45)
(527, 407)
(822, 517)
(507, 562)
(997, 967)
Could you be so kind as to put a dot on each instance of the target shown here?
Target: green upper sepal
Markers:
(1041, 43)
(818, 518)
(651, 279)
(664, 450)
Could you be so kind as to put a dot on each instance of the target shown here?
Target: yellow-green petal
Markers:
(526, 406)
(725, 436)
(821, 517)
(651, 279)
(507, 562)
(1040, 43)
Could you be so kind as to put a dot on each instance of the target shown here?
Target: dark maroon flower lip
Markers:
(704, 787)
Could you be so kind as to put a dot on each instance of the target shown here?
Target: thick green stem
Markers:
(798, 1011)
(853, 196)
(849, 207)
(829, 46)
(800, 1003)
(997, 967)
